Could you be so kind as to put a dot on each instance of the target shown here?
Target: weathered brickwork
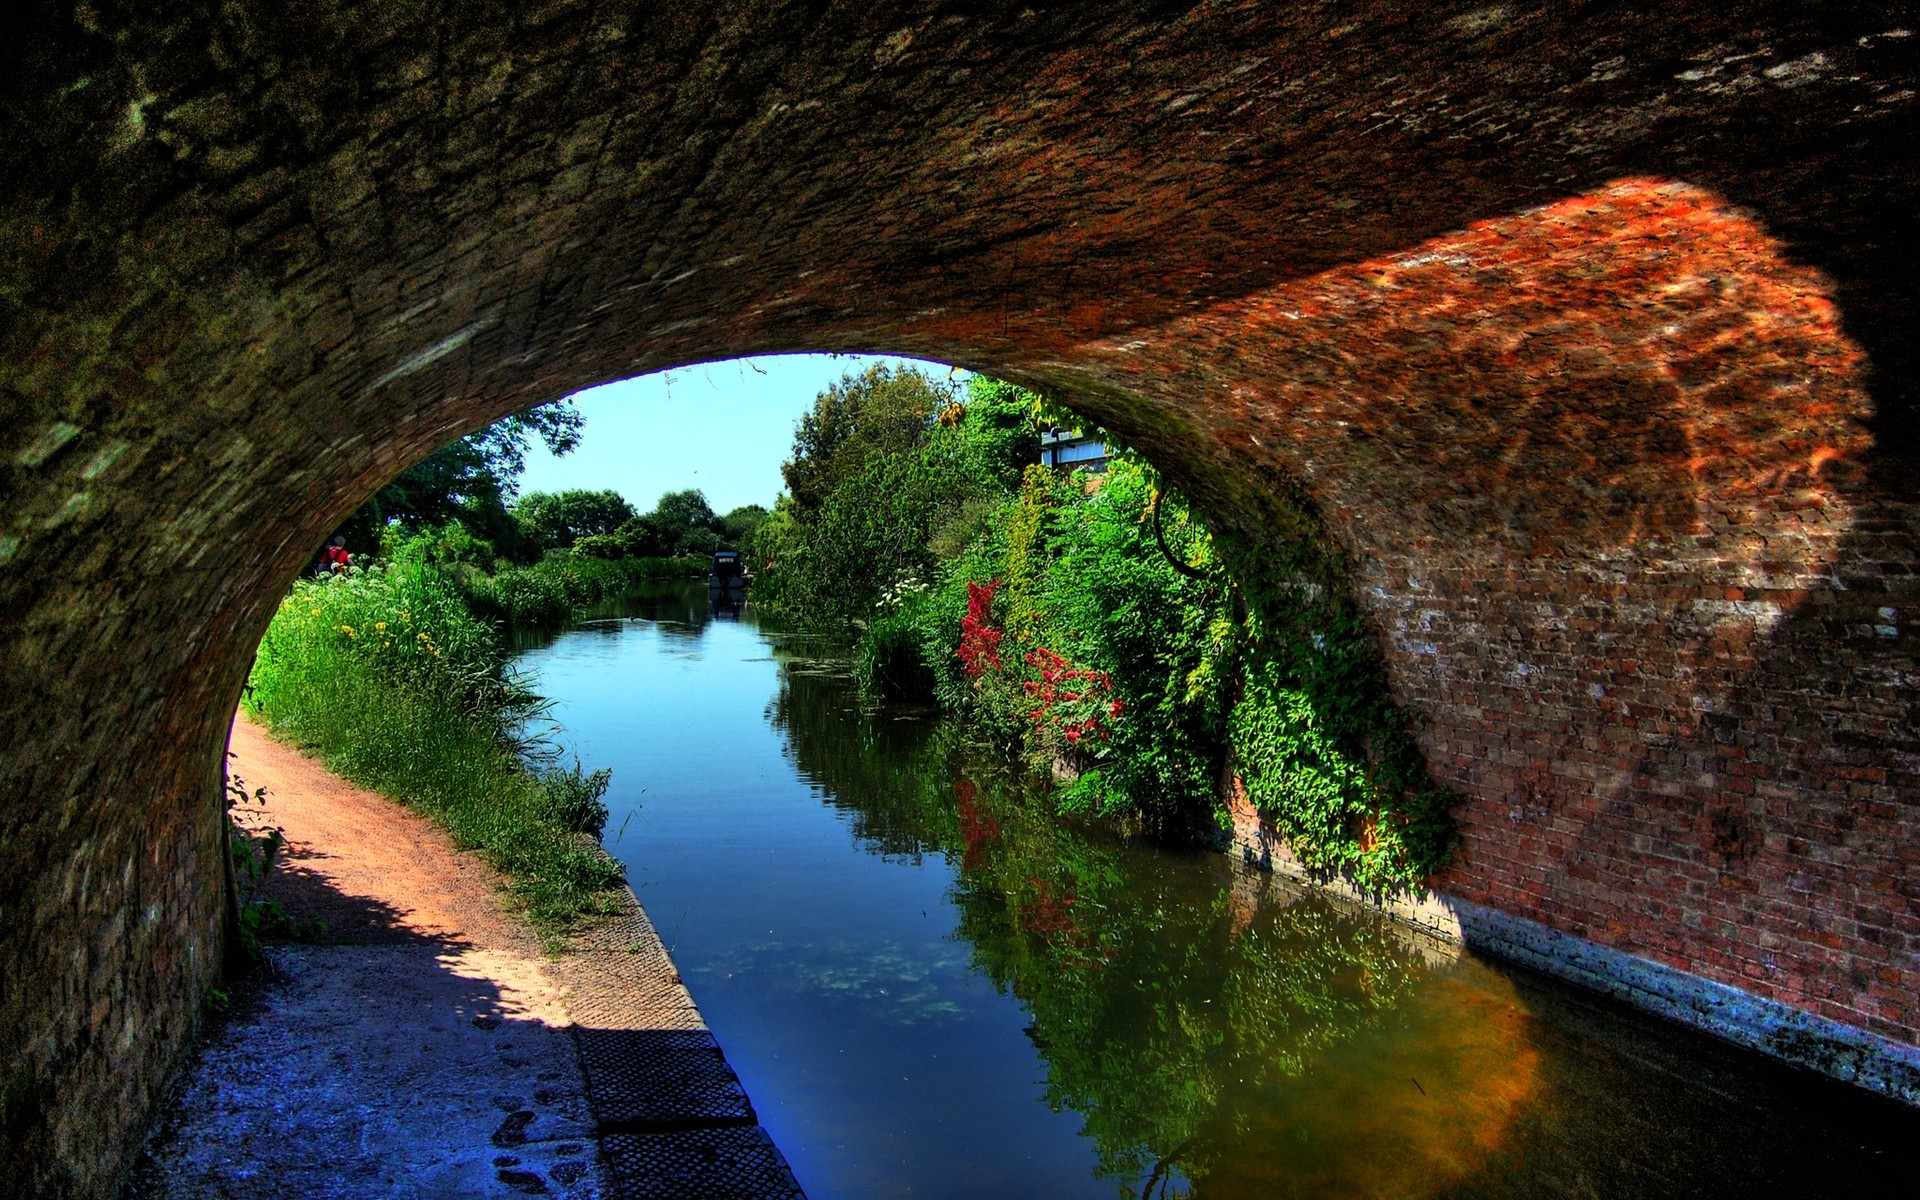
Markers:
(1632, 572)
(1588, 334)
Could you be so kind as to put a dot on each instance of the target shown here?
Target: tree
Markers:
(678, 515)
(471, 481)
(862, 417)
(556, 520)
(892, 473)
(739, 526)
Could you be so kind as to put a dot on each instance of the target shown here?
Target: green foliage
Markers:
(1112, 667)
(402, 689)
(573, 800)
(549, 592)
(603, 525)
(557, 520)
(1323, 752)
(1047, 610)
(888, 662)
(1139, 682)
(879, 413)
(249, 857)
(740, 524)
(682, 519)
(892, 472)
(600, 545)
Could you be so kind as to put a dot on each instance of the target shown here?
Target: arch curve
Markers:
(1586, 336)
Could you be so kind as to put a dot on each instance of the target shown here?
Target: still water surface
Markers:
(931, 988)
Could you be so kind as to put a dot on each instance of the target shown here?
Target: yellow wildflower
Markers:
(380, 625)
(347, 629)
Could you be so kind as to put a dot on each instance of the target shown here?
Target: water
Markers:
(931, 988)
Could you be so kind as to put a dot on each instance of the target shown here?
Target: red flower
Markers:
(979, 647)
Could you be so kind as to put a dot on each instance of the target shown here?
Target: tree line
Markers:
(465, 497)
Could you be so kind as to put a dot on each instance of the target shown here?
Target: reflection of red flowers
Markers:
(1048, 915)
(979, 647)
(978, 828)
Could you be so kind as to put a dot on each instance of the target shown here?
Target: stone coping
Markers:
(670, 1116)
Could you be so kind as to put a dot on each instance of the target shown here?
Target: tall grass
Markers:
(549, 592)
(400, 688)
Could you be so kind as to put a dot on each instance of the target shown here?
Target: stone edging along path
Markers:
(426, 1046)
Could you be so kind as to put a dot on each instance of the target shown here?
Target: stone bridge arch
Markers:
(1586, 333)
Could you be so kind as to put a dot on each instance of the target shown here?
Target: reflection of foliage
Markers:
(1163, 1002)
(889, 776)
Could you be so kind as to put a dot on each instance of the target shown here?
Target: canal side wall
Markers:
(1793, 1035)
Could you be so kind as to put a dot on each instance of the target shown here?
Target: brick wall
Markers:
(1605, 466)
(1616, 311)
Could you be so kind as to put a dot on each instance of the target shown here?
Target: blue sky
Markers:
(722, 427)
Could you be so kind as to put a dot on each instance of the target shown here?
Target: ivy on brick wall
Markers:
(1321, 748)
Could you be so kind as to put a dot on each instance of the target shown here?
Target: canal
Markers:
(932, 988)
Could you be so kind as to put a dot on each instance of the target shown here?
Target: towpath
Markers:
(425, 1046)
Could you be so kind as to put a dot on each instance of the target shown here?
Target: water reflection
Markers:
(1182, 1008)
(870, 915)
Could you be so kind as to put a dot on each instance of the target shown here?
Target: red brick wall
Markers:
(1602, 463)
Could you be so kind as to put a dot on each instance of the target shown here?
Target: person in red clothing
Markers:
(335, 559)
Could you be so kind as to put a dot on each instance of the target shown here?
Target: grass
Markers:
(402, 690)
(549, 592)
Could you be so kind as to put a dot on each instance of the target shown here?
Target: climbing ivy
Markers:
(1321, 748)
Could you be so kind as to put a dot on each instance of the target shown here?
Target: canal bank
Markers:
(425, 1045)
(1792, 1035)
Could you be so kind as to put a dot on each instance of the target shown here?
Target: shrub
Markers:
(550, 591)
(1065, 634)
(600, 545)
(888, 664)
(573, 800)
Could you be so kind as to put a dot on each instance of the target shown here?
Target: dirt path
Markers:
(425, 1047)
(371, 869)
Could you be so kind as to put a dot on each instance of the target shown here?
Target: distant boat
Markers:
(728, 573)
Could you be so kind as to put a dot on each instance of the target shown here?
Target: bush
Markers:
(600, 545)
(888, 662)
(1063, 633)
(549, 592)
(573, 800)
